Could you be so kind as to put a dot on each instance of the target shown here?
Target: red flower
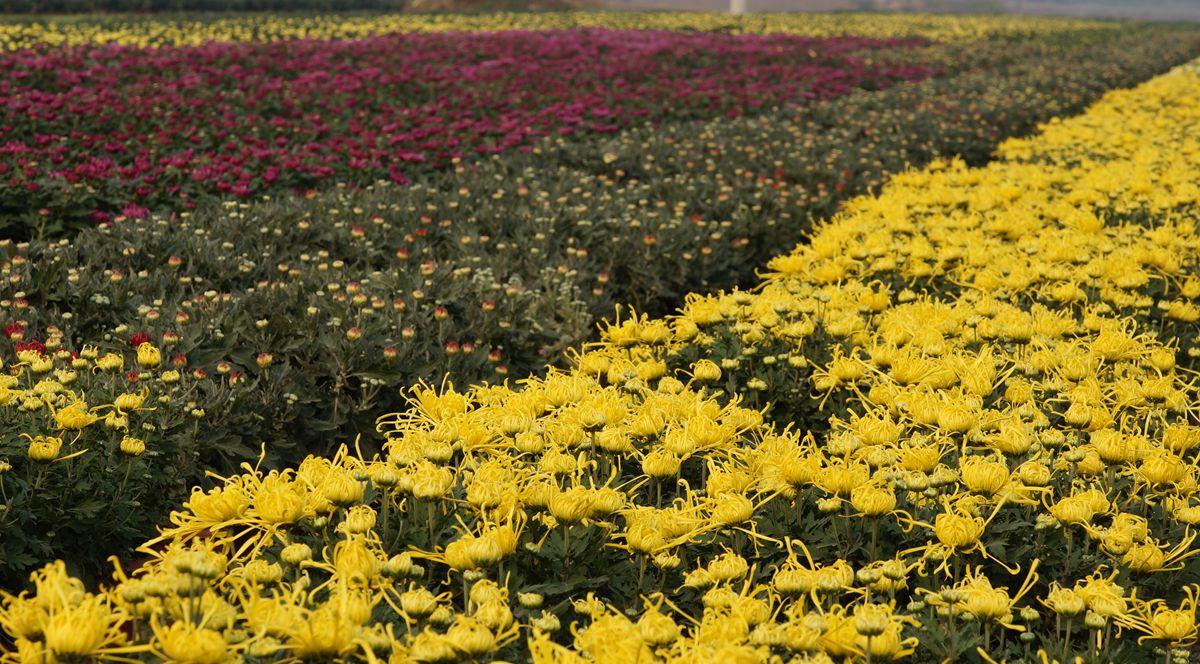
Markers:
(29, 345)
(234, 118)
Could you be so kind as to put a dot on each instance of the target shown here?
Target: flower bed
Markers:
(97, 131)
(488, 276)
(499, 267)
(196, 29)
(978, 475)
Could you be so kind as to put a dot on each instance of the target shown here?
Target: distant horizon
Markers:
(1163, 10)
(1160, 10)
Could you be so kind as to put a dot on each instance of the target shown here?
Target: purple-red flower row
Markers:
(147, 128)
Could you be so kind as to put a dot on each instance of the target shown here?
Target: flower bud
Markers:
(133, 446)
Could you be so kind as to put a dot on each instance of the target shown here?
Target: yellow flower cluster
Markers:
(1008, 468)
(133, 31)
(42, 391)
(88, 439)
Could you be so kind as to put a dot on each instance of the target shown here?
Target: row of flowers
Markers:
(956, 469)
(19, 33)
(52, 7)
(487, 277)
(95, 131)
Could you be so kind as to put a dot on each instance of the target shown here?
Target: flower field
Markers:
(359, 412)
(163, 126)
(168, 120)
(19, 33)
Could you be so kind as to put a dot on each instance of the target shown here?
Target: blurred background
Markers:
(1161, 10)
(1177, 10)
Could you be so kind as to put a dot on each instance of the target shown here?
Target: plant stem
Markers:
(1070, 545)
(429, 523)
(386, 525)
(566, 545)
(1067, 641)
